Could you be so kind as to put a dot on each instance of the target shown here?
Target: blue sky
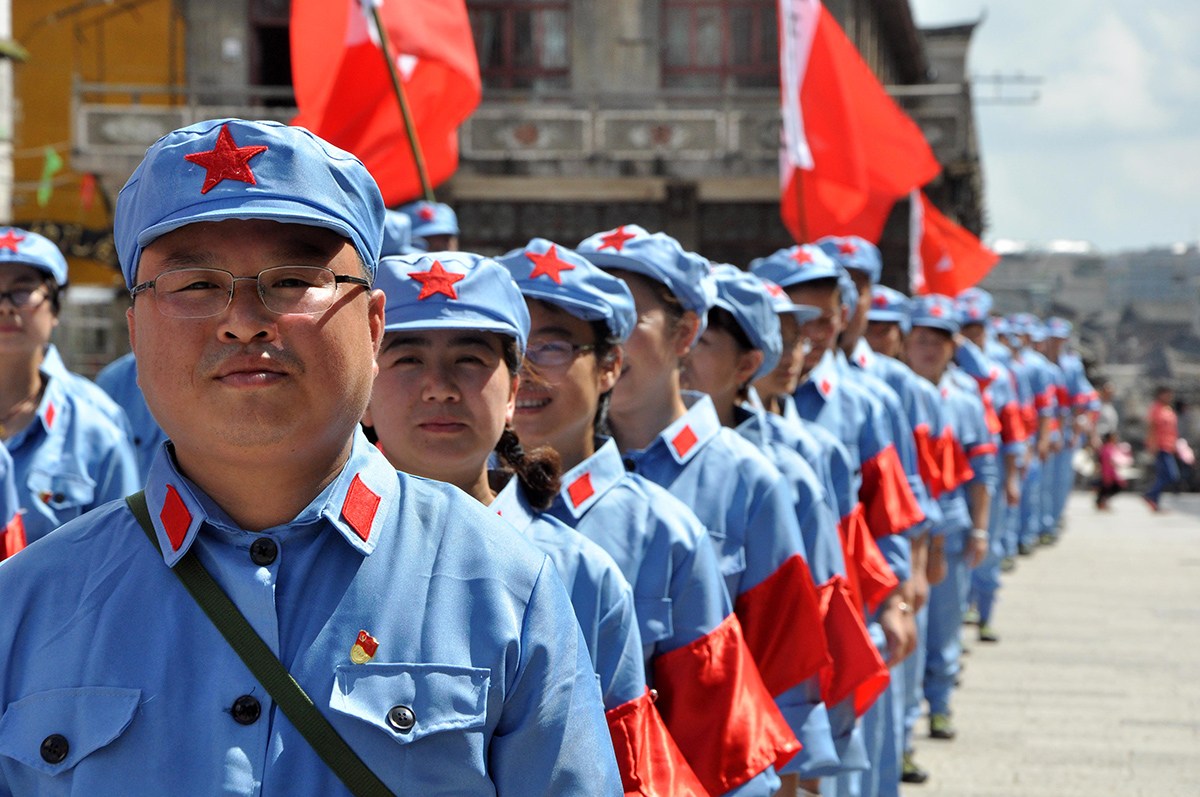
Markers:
(1110, 152)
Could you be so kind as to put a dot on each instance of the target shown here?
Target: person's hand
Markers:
(917, 590)
(935, 568)
(1012, 490)
(976, 550)
(1043, 448)
(899, 629)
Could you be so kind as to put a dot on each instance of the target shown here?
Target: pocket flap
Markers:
(52, 731)
(654, 618)
(61, 490)
(411, 701)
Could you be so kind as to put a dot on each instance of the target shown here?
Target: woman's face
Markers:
(654, 350)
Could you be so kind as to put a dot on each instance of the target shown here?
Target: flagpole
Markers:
(409, 127)
(801, 215)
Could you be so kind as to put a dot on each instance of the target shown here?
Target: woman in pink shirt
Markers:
(1162, 436)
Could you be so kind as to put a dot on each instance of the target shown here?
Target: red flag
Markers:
(949, 258)
(345, 94)
(87, 190)
(849, 152)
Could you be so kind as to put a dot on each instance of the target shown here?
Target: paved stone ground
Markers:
(1094, 688)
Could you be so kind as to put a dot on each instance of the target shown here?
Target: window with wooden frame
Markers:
(522, 44)
(720, 44)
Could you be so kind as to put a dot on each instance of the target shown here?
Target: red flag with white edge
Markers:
(848, 151)
(948, 259)
(344, 91)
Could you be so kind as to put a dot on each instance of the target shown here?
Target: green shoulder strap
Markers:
(297, 706)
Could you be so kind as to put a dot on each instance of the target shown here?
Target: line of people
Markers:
(708, 530)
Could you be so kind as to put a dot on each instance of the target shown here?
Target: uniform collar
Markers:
(751, 422)
(824, 378)
(54, 408)
(863, 355)
(512, 505)
(584, 484)
(351, 503)
(686, 436)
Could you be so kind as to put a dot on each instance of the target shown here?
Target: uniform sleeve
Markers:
(552, 737)
(887, 498)
(980, 447)
(12, 528)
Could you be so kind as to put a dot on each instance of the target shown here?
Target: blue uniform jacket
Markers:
(475, 636)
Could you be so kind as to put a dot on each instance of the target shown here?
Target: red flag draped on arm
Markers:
(345, 94)
(849, 152)
(949, 259)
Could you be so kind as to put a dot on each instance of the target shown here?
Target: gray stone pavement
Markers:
(1094, 688)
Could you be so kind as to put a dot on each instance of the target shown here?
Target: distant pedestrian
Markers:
(1113, 457)
(1107, 418)
(1162, 438)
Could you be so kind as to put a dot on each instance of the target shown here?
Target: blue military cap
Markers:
(397, 234)
(451, 290)
(890, 306)
(558, 275)
(745, 297)
(854, 254)
(237, 169)
(796, 265)
(36, 251)
(848, 291)
(1029, 324)
(659, 257)
(431, 218)
(1058, 327)
(782, 304)
(935, 311)
(978, 298)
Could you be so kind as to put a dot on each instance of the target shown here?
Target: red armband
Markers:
(871, 579)
(857, 668)
(14, 537)
(1012, 426)
(887, 498)
(718, 709)
(989, 414)
(927, 463)
(781, 622)
(650, 762)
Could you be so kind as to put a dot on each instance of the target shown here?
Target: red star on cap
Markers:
(801, 256)
(879, 301)
(10, 239)
(436, 280)
(773, 289)
(226, 161)
(617, 238)
(936, 311)
(847, 247)
(548, 264)
(426, 213)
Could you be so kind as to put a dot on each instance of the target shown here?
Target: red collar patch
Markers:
(50, 413)
(617, 238)
(825, 387)
(436, 280)
(226, 161)
(683, 442)
(581, 490)
(360, 507)
(548, 264)
(175, 517)
(10, 240)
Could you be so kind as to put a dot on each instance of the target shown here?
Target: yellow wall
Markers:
(123, 42)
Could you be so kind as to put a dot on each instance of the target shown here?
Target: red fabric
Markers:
(1012, 425)
(14, 537)
(718, 709)
(1163, 426)
(927, 463)
(989, 412)
(1029, 415)
(857, 668)
(887, 497)
(980, 450)
(650, 762)
(866, 151)
(344, 91)
(952, 259)
(1063, 395)
(870, 577)
(1045, 399)
(781, 621)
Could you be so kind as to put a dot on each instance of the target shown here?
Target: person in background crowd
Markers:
(1162, 438)
(1113, 457)
(440, 647)
(434, 225)
(1107, 417)
(69, 441)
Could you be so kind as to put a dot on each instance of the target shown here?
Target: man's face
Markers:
(822, 331)
(975, 333)
(885, 337)
(25, 330)
(783, 380)
(857, 325)
(249, 381)
(929, 351)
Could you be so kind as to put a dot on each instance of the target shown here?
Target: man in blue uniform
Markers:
(434, 225)
(439, 645)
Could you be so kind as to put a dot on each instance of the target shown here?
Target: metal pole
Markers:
(410, 128)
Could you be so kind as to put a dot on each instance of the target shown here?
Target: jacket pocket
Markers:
(62, 491)
(411, 701)
(654, 618)
(52, 731)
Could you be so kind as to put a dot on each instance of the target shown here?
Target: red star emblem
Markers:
(773, 289)
(879, 301)
(936, 311)
(226, 161)
(548, 264)
(426, 213)
(847, 247)
(436, 280)
(10, 239)
(617, 238)
(801, 256)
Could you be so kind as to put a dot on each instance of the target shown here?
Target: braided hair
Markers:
(539, 470)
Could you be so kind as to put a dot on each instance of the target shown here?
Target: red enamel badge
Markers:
(363, 649)
(360, 507)
(581, 489)
(617, 238)
(175, 517)
(683, 442)
(548, 264)
(226, 161)
(436, 280)
(10, 239)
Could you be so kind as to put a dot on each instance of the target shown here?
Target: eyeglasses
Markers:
(24, 297)
(206, 292)
(555, 353)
